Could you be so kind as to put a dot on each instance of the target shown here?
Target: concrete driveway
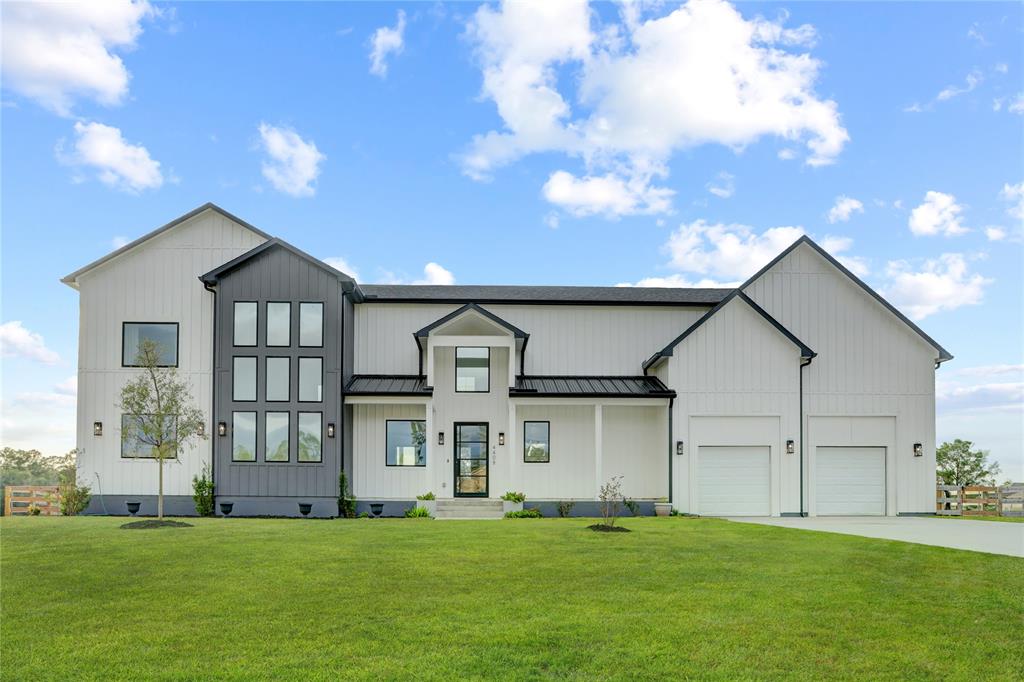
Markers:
(993, 537)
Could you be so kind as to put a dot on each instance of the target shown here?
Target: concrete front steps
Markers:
(469, 508)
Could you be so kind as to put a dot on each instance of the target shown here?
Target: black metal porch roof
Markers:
(590, 386)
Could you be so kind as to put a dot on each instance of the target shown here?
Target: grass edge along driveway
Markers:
(527, 599)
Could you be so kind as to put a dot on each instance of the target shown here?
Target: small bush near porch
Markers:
(303, 599)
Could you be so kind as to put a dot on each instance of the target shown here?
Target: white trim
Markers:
(386, 400)
(570, 400)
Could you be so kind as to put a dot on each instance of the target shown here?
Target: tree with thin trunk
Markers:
(162, 420)
(959, 464)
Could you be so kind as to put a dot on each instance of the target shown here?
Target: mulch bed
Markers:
(155, 523)
(601, 528)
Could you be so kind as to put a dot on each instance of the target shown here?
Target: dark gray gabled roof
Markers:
(540, 295)
(805, 351)
(388, 384)
(944, 354)
(590, 387)
(213, 275)
(516, 331)
(70, 279)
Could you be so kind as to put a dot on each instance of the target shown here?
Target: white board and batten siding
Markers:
(564, 339)
(870, 364)
(371, 477)
(737, 380)
(157, 281)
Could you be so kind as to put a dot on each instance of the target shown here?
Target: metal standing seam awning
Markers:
(388, 384)
(590, 387)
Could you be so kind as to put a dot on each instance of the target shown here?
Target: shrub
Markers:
(346, 501)
(417, 513)
(33, 510)
(610, 496)
(524, 514)
(364, 515)
(514, 497)
(565, 508)
(426, 496)
(632, 506)
(74, 498)
(202, 493)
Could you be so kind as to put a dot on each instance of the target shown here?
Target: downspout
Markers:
(213, 397)
(806, 362)
(670, 449)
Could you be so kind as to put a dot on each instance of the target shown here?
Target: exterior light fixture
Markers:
(330, 430)
(202, 429)
(790, 447)
(222, 428)
(679, 447)
(918, 450)
(97, 428)
(501, 438)
(440, 437)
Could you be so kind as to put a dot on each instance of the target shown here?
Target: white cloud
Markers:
(1015, 195)
(723, 186)
(1002, 68)
(787, 154)
(987, 387)
(609, 195)
(645, 87)
(552, 220)
(386, 41)
(32, 421)
(118, 163)
(18, 342)
(680, 281)
(55, 52)
(726, 252)
(843, 209)
(118, 241)
(68, 387)
(1017, 104)
(940, 284)
(836, 246)
(973, 80)
(435, 274)
(339, 263)
(974, 33)
(938, 214)
(995, 234)
(294, 163)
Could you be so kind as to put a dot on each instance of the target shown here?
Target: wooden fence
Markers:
(979, 500)
(18, 499)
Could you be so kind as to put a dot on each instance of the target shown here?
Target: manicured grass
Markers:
(1002, 519)
(511, 599)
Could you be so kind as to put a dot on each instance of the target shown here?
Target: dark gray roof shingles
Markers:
(428, 293)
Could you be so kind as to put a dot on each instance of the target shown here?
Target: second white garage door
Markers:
(850, 481)
(733, 481)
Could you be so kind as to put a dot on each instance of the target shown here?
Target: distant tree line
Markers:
(31, 467)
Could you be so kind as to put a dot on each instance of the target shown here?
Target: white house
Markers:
(800, 392)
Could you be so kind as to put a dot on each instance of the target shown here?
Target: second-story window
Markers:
(279, 324)
(245, 323)
(311, 325)
(472, 370)
(163, 334)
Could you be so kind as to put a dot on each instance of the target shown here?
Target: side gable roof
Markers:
(805, 351)
(70, 280)
(516, 331)
(217, 273)
(944, 354)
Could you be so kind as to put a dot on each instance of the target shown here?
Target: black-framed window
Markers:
(245, 320)
(406, 443)
(276, 432)
(311, 325)
(278, 379)
(537, 442)
(279, 323)
(132, 446)
(310, 439)
(163, 334)
(311, 380)
(244, 378)
(472, 369)
(243, 436)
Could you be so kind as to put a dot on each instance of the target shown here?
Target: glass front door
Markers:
(471, 460)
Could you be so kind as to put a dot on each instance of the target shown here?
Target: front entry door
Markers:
(471, 452)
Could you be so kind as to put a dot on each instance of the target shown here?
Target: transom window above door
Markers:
(472, 370)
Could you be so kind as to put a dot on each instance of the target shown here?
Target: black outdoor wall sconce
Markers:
(501, 438)
(97, 428)
(330, 430)
(222, 428)
(440, 437)
(790, 447)
(918, 450)
(679, 447)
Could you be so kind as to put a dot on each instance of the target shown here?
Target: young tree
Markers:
(161, 415)
(958, 464)
(610, 495)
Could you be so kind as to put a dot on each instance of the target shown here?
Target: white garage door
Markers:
(850, 481)
(733, 481)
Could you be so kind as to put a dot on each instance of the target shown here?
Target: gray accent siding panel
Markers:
(279, 275)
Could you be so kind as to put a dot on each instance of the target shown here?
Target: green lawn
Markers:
(303, 599)
(1001, 519)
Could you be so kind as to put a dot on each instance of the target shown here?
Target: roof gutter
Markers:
(213, 392)
(806, 361)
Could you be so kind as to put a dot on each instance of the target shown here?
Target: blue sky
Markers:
(603, 145)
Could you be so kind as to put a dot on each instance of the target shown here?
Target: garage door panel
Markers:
(733, 481)
(850, 481)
